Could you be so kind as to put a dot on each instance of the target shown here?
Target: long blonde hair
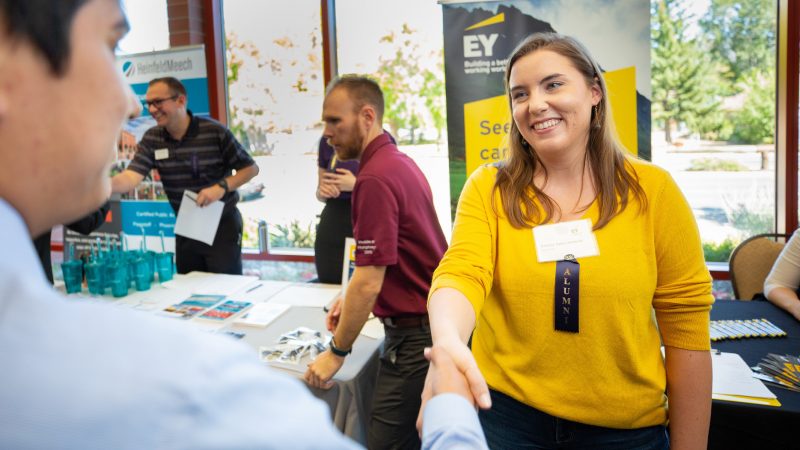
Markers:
(613, 175)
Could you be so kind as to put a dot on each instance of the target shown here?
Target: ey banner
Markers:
(479, 37)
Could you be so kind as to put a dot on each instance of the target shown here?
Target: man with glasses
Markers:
(198, 154)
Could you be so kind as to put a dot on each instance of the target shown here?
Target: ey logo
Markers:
(480, 45)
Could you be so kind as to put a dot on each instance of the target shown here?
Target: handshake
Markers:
(445, 377)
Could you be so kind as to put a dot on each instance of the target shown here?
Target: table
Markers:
(350, 399)
(741, 425)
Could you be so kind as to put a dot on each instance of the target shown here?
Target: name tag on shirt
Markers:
(555, 241)
(162, 153)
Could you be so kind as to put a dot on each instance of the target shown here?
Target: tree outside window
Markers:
(714, 113)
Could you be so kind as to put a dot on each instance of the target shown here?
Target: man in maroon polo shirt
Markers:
(398, 245)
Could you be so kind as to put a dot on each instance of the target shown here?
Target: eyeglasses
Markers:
(157, 102)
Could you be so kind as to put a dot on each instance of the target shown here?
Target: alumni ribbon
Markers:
(567, 294)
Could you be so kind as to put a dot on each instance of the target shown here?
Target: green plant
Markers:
(293, 235)
(755, 122)
(413, 93)
(250, 233)
(684, 82)
(750, 222)
(742, 35)
(715, 165)
(740, 38)
(718, 251)
(714, 126)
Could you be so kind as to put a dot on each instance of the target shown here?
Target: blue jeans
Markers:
(511, 424)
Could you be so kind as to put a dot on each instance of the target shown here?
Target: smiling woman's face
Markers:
(551, 103)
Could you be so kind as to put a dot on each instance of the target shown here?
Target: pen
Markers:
(254, 288)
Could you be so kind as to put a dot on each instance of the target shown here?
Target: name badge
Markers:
(553, 242)
(162, 153)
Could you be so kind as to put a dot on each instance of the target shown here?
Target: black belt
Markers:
(406, 321)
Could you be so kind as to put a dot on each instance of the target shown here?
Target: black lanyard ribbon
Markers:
(566, 294)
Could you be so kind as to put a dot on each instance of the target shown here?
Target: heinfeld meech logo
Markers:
(128, 68)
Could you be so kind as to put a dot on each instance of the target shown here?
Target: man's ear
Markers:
(368, 115)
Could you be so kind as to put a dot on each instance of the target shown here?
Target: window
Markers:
(400, 45)
(275, 93)
(149, 26)
(713, 106)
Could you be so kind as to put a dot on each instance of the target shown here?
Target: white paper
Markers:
(198, 223)
(223, 284)
(156, 298)
(307, 294)
(205, 283)
(732, 376)
(261, 291)
(555, 241)
(373, 328)
(185, 281)
(261, 314)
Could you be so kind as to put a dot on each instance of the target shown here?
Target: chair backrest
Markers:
(751, 262)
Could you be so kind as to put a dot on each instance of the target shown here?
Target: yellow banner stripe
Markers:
(500, 18)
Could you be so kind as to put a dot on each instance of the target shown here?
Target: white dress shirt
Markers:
(92, 376)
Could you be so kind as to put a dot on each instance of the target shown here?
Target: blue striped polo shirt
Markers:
(206, 154)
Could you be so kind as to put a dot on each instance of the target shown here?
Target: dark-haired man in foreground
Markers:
(84, 375)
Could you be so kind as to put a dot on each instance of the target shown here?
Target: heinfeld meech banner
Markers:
(150, 218)
(187, 64)
(478, 38)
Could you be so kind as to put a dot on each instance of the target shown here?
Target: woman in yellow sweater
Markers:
(573, 263)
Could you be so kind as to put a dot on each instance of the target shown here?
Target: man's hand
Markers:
(125, 181)
(332, 319)
(327, 190)
(445, 376)
(342, 179)
(323, 368)
(441, 377)
(209, 195)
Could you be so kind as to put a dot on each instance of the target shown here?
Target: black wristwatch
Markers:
(223, 183)
(339, 352)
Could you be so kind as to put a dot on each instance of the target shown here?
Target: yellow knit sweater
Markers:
(649, 276)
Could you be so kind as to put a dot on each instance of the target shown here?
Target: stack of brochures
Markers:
(192, 306)
(296, 345)
(780, 370)
(207, 307)
(734, 381)
(738, 329)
